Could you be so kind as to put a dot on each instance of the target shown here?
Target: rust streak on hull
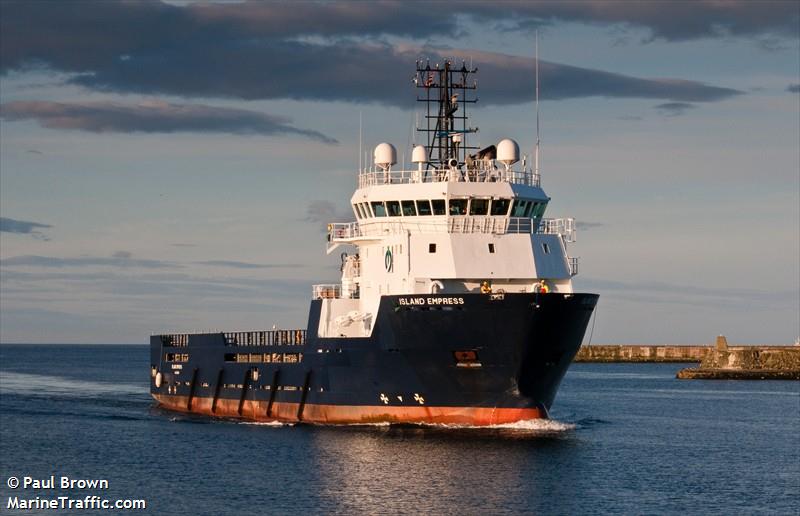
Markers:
(352, 414)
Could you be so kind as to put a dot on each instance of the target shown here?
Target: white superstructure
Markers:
(453, 224)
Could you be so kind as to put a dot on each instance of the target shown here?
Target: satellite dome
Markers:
(507, 152)
(419, 154)
(385, 155)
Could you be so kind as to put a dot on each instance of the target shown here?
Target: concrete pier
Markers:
(634, 353)
(724, 362)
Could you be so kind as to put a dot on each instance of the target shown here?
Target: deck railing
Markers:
(344, 231)
(326, 291)
(243, 338)
(479, 174)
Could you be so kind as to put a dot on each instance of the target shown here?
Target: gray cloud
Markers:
(125, 259)
(325, 211)
(246, 265)
(583, 226)
(211, 50)
(121, 259)
(793, 88)
(674, 108)
(45, 31)
(151, 117)
(23, 227)
(660, 292)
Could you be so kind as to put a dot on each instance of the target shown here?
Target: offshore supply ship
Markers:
(456, 307)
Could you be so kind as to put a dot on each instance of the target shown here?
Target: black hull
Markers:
(472, 359)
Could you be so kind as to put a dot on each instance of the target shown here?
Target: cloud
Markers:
(674, 108)
(246, 265)
(127, 31)
(793, 88)
(661, 292)
(125, 259)
(151, 117)
(312, 51)
(23, 227)
(121, 259)
(325, 211)
(584, 226)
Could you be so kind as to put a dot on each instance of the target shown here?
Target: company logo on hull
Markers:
(409, 301)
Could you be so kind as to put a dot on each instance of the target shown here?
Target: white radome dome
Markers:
(507, 152)
(419, 154)
(385, 155)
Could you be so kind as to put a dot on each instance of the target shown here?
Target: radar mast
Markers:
(447, 92)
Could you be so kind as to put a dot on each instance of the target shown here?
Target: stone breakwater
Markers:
(723, 362)
(635, 353)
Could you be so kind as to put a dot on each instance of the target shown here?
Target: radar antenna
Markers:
(447, 92)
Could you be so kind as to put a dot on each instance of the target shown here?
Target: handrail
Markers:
(480, 174)
(377, 227)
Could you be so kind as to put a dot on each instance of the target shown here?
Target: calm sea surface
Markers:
(626, 439)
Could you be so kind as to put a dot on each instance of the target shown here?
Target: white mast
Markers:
(536, 155)
(360, 169)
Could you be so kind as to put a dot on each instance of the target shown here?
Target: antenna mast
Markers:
(536, 155)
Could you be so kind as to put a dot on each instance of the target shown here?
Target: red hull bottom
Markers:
(350, 414)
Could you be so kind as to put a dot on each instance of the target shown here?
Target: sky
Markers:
(171, 166)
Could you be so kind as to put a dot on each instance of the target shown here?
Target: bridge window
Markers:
(539, 211)
(458, 206)
(378, 209)
(500, 206)
(408, 208)
(357, 209)
(438, 207)
(479, 206)
(367, 212)
(521, 208)
(424, 207)
(393, 208)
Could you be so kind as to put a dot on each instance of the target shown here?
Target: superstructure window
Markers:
(520, 208)
(408, 208)
(500, 206)
(458, 206)
(378, 209)
(393, 208)
(546, 248)
(424, 207)
(438, 207)
(491, 248)
(479, 206)
(431, 248)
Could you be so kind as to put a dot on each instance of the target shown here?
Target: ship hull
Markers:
(471, 359)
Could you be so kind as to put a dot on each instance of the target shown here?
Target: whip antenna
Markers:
(536, 155)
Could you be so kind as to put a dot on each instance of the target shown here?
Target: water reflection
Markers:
(441, 470)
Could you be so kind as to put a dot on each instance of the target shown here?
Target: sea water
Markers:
(623, 439)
